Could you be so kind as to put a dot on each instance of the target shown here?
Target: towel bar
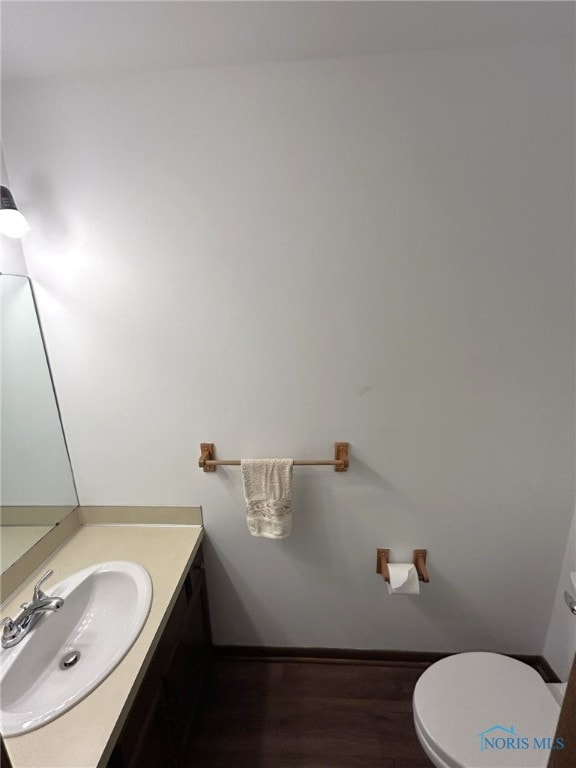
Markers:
(340, 461)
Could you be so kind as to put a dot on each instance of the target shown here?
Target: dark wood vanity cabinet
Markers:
(160, 721)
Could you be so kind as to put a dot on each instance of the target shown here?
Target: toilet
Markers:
(485, 710)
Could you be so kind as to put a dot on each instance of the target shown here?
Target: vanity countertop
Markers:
(84, 736)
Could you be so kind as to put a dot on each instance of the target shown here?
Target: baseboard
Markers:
(421, 659)
(541, 666)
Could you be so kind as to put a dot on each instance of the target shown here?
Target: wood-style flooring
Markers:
(307, 714)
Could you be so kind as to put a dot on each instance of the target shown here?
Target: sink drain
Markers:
(69, 659)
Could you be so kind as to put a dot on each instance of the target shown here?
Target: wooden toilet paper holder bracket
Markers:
(419, 560)
(383, 558)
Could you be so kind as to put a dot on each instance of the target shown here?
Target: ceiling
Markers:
(66, 38)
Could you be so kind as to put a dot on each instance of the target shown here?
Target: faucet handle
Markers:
(9, 625)
(38, 594)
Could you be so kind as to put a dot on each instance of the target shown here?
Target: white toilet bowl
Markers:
(484, 710)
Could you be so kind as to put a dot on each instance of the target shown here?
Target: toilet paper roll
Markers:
(403, 579)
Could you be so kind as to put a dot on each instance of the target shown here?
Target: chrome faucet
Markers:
(16, 629)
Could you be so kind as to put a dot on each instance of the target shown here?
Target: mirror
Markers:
(36, 484)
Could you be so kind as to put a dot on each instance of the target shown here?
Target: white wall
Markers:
(560, 645)
(276, 257)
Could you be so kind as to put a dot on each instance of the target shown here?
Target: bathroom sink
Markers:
(70, 651)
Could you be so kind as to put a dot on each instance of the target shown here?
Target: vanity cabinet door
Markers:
(161, 717)
(146, 741)
(184, 679)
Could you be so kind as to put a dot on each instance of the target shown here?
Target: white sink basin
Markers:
(104, 611)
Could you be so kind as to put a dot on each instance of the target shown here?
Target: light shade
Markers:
(12, 222)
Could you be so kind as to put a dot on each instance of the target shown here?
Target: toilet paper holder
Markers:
(418, 559)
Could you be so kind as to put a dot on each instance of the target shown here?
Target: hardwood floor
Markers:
(307, 714)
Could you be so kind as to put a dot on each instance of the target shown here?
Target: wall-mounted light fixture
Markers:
(12, 222)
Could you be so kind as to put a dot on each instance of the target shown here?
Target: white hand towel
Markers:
(268, 494)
